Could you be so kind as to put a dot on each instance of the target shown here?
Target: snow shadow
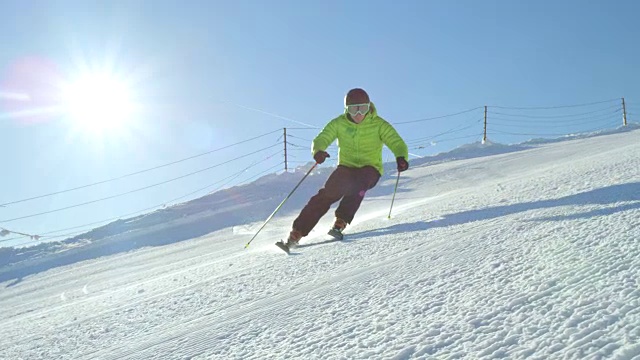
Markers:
(626, 195)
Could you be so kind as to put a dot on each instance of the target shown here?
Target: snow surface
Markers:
(528, 252)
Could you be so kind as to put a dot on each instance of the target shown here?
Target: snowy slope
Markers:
(533, 253)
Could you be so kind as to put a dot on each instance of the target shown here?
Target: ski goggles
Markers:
(356, 109)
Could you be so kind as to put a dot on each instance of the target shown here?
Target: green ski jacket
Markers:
(360, 145)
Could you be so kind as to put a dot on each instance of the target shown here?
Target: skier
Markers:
(361, 134)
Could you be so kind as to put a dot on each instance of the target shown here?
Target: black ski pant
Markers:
(346, 184)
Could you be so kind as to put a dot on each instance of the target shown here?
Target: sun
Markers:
(99, 103)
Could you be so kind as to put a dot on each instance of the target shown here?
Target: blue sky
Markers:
(208, 74)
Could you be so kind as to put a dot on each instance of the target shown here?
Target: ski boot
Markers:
(292, 241)
(338, 227)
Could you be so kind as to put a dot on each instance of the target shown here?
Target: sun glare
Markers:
(99, 102)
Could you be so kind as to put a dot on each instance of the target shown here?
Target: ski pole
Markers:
(282, 203)
(394, 195)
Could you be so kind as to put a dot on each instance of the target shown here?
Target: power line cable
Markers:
(548, 123)
(299, 138)
(493, 132)
(438, 117)
(232, 177)
(133, 191)
(553, 107)
(450, 131)
(618, 107)
(135, 173)
(298, 146)
(534, 127)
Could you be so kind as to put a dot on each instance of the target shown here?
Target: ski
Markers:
(335, 234)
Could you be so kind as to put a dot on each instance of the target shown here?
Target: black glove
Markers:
(402, 164)
(321, 156)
